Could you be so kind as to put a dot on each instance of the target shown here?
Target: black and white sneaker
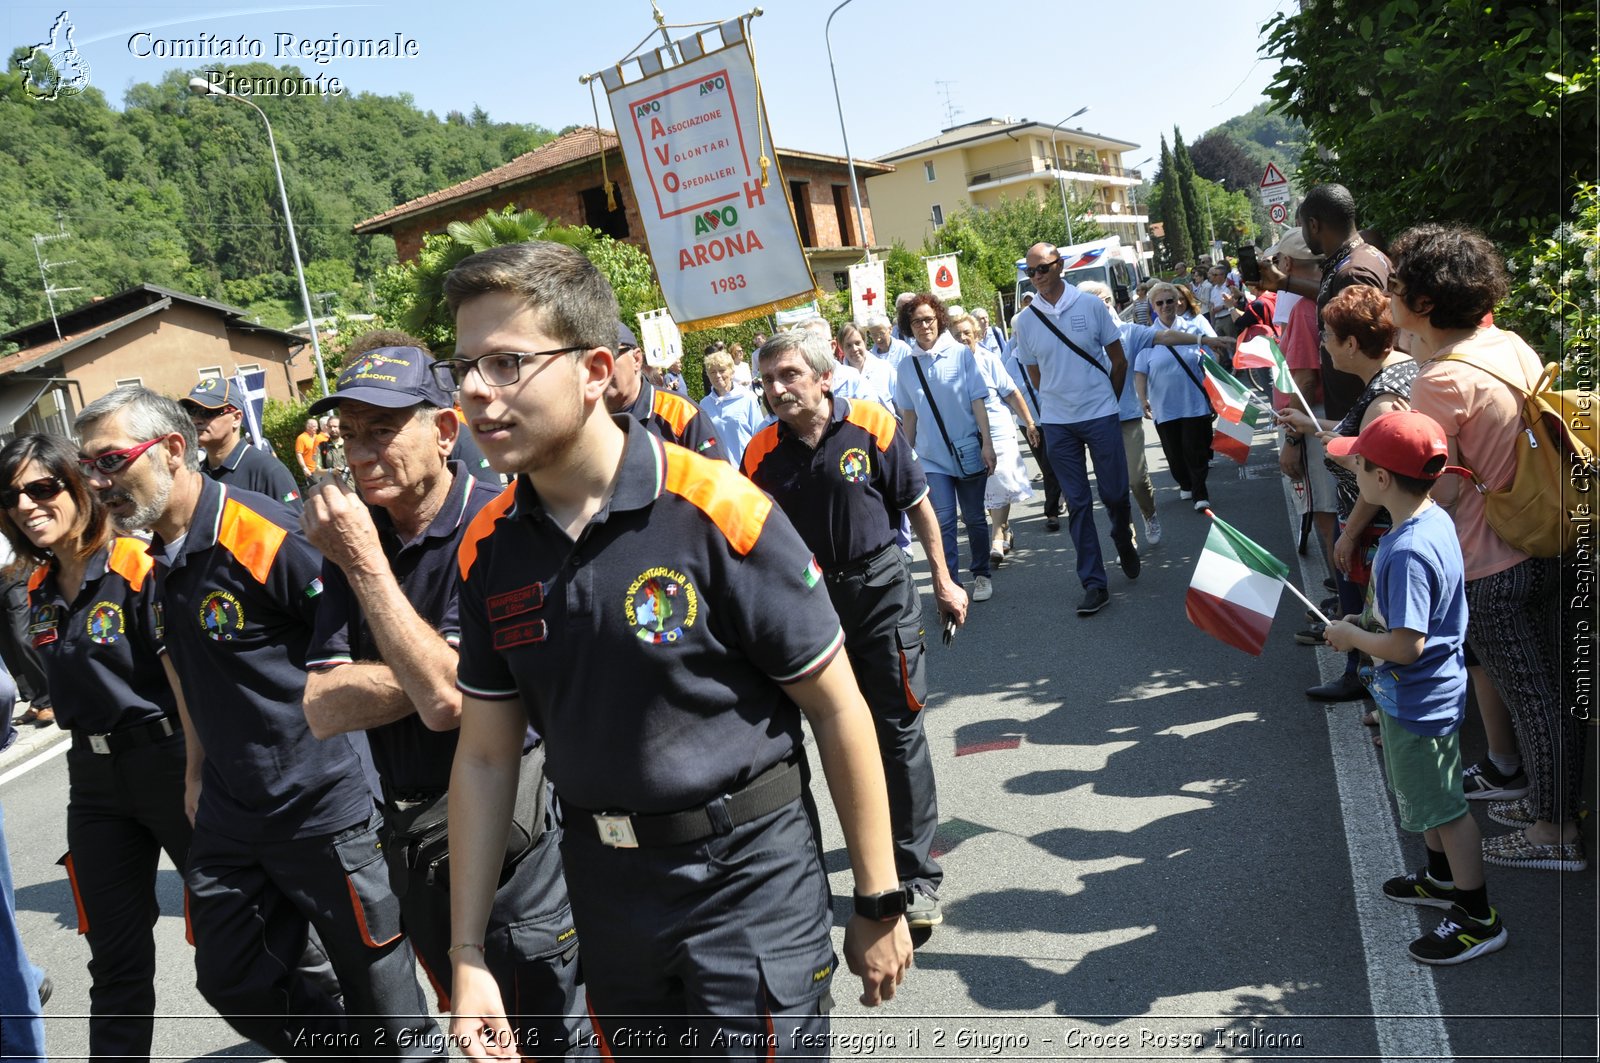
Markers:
(1483, 782)
(1420, 889)
(1459, 938)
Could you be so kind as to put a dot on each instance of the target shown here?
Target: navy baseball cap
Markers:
(391, 377)
(214, 394)
(625, 338)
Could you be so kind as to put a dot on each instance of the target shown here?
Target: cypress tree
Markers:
(1198, 238)
(1175, 244)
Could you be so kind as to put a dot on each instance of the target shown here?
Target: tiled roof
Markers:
(45, 352)
(581, 144)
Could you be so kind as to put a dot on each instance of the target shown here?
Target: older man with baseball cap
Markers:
(382, 660)
(217, 410)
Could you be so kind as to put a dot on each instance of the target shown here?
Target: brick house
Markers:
(562, 180)
(163, 339)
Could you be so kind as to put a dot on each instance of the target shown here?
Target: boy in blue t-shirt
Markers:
(1415, 633)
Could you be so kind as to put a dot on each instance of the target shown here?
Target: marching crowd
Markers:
(545, 740)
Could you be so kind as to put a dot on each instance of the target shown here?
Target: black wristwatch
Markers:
(886, 906)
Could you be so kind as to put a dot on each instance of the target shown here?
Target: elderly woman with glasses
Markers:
(97, 629)
(1167, 379)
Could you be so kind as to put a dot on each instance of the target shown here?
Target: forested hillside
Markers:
(178, 190)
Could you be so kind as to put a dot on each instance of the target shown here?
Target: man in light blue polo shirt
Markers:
(1078, 406)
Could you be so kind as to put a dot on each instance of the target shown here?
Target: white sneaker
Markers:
(982, 589)
(1201, 505)
(1152, 531)
(1185, 495)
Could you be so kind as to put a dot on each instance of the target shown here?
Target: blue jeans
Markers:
(946, 492)
(21, 1027)
(1102, 439)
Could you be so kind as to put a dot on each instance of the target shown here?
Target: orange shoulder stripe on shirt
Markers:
(875, 420)
(131, 560)
(252, 539)
(674, 409)
(36, 578)
(735, 505)
(481, 526)
(764, 443)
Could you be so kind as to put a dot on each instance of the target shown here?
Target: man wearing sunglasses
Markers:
(218, 416)
(1069, 344)
(670, 416)
(383, 661)
(286, 836)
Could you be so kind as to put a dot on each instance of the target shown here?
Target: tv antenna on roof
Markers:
(950, 109)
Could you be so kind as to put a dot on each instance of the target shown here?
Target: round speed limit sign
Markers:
(1279, 213)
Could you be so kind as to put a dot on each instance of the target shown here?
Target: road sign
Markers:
(1279, 213)
(1274, 186)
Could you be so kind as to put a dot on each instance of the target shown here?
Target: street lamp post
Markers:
(850, 162)
(1133, 196)
(1061, 182)
(202, 87)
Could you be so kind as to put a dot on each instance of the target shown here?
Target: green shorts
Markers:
(1424, 774)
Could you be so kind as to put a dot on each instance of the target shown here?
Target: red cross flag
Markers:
(943, 278)
(866, 291)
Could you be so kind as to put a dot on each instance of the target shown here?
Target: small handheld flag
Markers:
(1235, 589)
(1263, 352)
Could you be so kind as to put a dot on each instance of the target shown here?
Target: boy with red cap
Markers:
(1414, 627)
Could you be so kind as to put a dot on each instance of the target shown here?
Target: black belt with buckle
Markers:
(841, 573)
(774, 788)
(144, 734)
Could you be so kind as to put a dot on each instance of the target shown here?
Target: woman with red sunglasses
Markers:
(95, 625)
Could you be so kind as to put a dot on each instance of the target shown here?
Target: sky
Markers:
(1140, 66)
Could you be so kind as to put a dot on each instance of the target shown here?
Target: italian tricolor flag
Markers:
(1235, 589)
(1235, 408)
(1262, 352)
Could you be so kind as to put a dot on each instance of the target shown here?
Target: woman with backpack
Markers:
(1473, 380)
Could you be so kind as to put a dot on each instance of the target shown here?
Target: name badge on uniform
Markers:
(515, 603)
(46, 619)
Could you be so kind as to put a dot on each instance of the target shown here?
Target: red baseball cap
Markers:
(1407, 442)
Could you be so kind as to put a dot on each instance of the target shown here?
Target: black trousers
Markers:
(1052, 486)
(1186, 441)
(881, 612)
(123, 810)
(531, 946)
(252, 906)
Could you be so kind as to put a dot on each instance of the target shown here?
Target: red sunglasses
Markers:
(114, 461)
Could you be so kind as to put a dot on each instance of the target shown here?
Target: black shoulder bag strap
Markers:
(1032, 394)
(934, 406)
(1186, 370)
(1081, 353)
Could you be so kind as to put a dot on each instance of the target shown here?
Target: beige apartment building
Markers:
(975, 164)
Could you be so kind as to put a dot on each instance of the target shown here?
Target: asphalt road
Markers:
(1154, 846)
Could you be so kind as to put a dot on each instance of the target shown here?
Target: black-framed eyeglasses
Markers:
(1042, 268)
(41, 490)
(114, 461)
(924, 321)
(496, 370)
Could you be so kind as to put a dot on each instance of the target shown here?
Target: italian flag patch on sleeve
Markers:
(314, 588)
(813, 573)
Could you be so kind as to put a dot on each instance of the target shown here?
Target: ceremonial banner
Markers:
(1235, 589)
(253, 386)
(944, 279)
(659, 338)
(866, 291)
(717, 223)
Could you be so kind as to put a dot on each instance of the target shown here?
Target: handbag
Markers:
(422, 834)
(969, 452)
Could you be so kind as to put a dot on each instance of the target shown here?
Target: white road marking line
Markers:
(33, 762)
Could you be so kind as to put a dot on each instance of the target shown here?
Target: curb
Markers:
(31, 741)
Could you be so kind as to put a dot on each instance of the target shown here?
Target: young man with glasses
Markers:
(1070, 346)
(217, 413)
(286, 836)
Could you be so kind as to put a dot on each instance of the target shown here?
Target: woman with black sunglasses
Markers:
(96, 626)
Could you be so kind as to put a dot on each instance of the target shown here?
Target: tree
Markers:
(1167, 205)
(1191, 202)
(1218, 157)
(1452, 110)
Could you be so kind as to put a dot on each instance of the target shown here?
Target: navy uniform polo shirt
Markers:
(651, 654)
(470, 455)
(255, 470)
(845, 497)
(100, 651)
(411, 758)
(675, 419)
(239, 603)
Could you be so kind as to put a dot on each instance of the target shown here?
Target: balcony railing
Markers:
(1032, 166)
